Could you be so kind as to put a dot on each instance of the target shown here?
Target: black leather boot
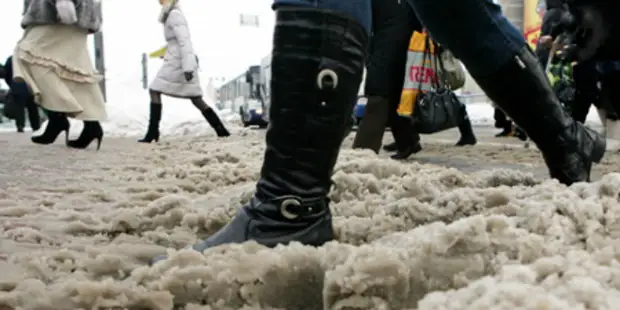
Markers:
(370, 131)
(92, 131)
(521, 89)
(57, 123)
(317, 65)
(215, 123)
(152, 134)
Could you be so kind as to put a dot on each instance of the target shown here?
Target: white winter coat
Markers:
(179, 58)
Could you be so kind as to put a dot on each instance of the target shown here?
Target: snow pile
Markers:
(407, 236)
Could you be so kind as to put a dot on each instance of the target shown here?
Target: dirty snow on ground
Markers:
(79, 234)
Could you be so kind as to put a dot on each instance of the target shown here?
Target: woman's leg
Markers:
(392, 28)
(211, 117)
(20, 116)
(33, 114)
(152, 134)
(586, 91)
(498, 58)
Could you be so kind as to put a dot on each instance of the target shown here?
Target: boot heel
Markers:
(599, 149)
(99, 139)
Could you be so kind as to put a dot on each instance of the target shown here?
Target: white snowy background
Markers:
(225, 48)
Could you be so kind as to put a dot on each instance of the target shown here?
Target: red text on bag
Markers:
(420, 74)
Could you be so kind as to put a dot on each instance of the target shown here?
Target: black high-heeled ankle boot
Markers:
(92, 131)
(57, 123)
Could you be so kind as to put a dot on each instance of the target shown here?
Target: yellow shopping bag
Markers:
(420, 74)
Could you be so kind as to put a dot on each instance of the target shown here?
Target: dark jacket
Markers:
(554, 4)
(18, 89)
(392, 26)
(549, 27)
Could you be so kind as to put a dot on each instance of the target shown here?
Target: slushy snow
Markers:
(408, 235)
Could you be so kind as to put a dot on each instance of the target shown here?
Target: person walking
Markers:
(178, 75)
(20, 96)
(392, 25)
(52, 58)
(318, 60)
(498, 58)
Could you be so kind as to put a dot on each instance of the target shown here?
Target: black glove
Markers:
(189, 75)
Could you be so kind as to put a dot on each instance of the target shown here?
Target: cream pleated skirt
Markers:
(55, 63)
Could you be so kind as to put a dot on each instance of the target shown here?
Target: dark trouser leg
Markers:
(586, 91)
(468, 137)
(317, 65)
(395, 22)
(33, 114)
(370, 131)
(20, 115)
(496, 55)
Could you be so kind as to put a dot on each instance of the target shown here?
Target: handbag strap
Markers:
(424, 54)
(427, 50)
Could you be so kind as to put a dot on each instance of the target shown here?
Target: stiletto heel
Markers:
(99, 139)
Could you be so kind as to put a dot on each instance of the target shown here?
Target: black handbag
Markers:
(438, 109)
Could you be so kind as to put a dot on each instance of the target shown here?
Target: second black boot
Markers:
(521, 89)
(152, 133)
(92, 131)
(317, 65)
(215, 122)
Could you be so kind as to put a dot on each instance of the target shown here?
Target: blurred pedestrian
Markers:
(393, 23)
(178, 75)
(52, 58)
(22, 98)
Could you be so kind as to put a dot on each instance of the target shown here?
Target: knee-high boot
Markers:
(317, 65)
(152, 134)
(568, 147)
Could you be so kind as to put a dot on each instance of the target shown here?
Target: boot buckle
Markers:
(327, 79)
(290, 208)
(294, 208)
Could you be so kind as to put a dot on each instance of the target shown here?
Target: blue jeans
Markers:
(360, 10)
(475, 31)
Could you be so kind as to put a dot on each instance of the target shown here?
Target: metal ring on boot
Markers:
(327, 77)
(290, 208)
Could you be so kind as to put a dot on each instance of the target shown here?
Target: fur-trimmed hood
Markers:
(43, 12)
